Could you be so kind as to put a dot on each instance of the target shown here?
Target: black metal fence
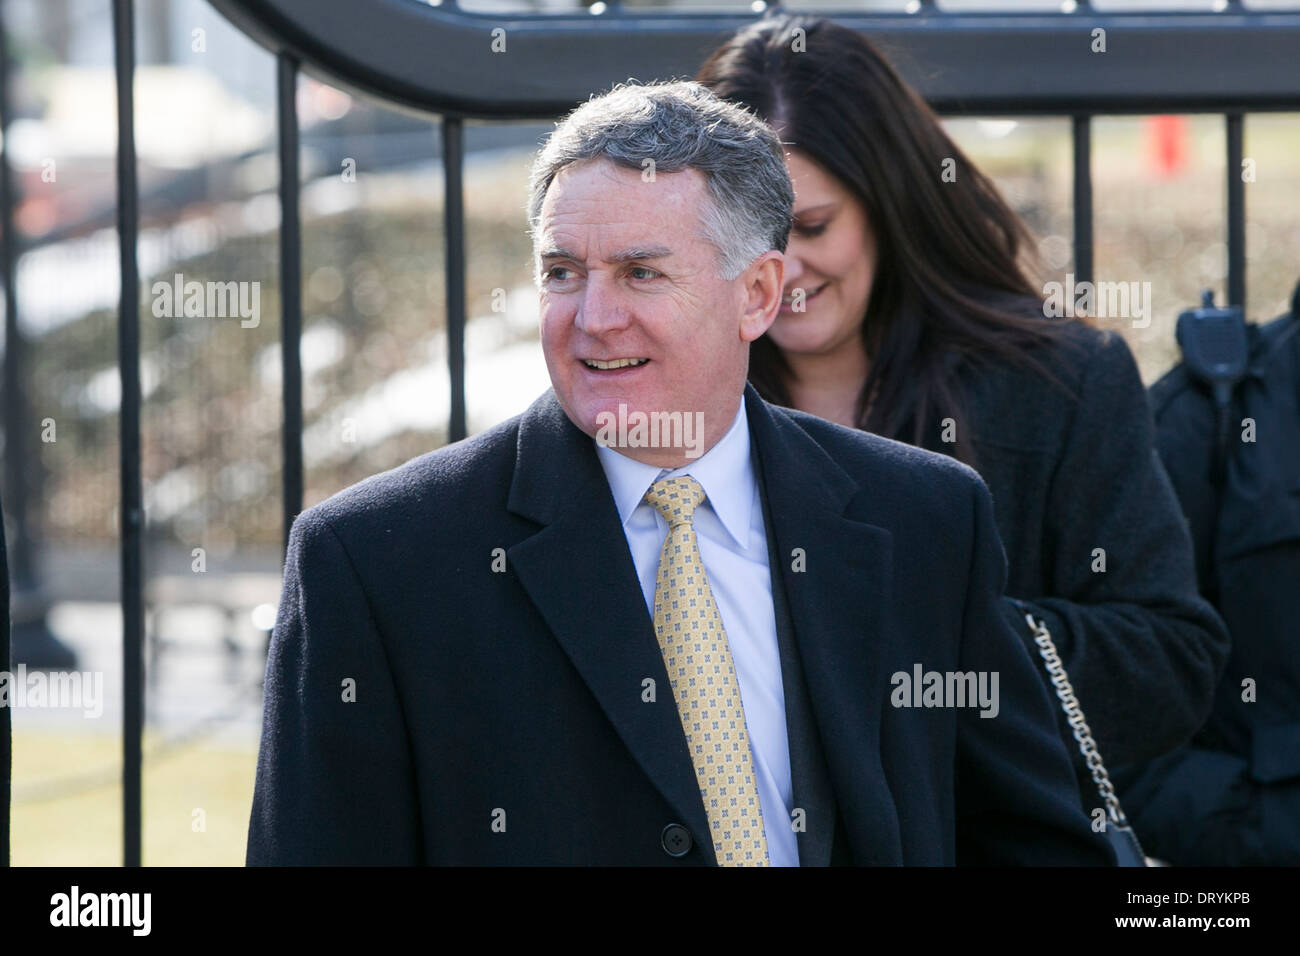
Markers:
(461, 65)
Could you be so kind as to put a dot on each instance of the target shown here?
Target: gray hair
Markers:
(678, 125)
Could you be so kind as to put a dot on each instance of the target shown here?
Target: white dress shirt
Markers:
(733, 545)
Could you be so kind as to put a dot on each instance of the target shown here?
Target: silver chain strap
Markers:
(1070, 704)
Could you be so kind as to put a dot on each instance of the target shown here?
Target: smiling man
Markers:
(557, 643)
(623, 322)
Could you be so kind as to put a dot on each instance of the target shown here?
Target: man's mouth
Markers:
(612, 364)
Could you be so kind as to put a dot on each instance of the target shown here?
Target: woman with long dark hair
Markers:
(909, 314)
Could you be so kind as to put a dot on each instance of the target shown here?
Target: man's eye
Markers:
(551, 273)
(649, 273)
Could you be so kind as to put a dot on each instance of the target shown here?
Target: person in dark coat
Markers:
(1232, 795)
(6, 727)
(908, 314)
(502, 653)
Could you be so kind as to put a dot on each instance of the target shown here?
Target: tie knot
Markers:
(676, 498)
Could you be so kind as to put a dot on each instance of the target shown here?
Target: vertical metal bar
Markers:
(16, 419)
(14, 426)
(290, 287)
(1236, 213)
(1081, 127)
(128, 361)
(453, 158)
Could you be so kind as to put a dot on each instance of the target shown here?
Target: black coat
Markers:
(6, 729)
(1075, 469)
(517, 695)
(1232, 796)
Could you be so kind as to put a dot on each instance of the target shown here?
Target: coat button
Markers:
(676, 840)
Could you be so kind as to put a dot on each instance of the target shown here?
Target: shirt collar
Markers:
(724, 471)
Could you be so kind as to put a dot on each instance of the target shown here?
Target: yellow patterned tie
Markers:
(704, 683)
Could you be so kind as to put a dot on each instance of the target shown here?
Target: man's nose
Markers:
(603, 308)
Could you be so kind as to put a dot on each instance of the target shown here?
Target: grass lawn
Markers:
(79, 822)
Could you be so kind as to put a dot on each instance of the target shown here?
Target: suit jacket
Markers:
(458, 670)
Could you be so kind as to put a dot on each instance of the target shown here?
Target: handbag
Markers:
(1118, 833)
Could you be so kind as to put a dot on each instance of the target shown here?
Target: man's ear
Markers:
(764, 280)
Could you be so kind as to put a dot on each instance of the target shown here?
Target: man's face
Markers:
(625, 275)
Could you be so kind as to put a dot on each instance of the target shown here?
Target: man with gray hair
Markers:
(654, 619)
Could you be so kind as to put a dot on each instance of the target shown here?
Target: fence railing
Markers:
(462, 65)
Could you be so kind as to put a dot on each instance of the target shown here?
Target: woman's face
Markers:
(831, 257)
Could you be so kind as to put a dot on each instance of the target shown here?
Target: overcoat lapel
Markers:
(579, 573)
(837, 574)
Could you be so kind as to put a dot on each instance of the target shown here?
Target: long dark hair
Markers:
(949, 285)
